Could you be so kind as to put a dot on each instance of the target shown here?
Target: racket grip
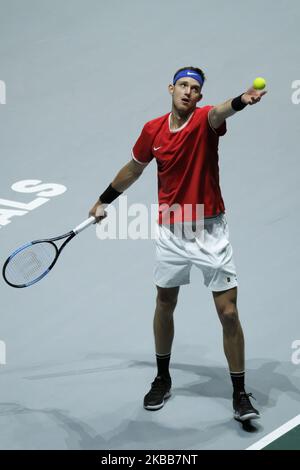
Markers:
(84, 225)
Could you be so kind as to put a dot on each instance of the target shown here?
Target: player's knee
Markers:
(166, 302)
(230, 320)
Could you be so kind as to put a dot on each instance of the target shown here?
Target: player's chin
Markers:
(185, 106)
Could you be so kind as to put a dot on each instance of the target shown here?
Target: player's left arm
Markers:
(219, 113)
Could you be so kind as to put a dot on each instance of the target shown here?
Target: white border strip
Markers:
(141, 163)
(275, 434)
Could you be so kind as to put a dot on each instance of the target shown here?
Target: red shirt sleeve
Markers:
(142, 150)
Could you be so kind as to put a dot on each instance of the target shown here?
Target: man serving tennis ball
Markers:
(184, 144)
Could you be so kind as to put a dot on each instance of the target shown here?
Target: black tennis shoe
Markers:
(159, 392)
(243, 409)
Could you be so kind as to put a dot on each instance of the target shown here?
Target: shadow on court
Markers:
(139, 433)
(145, 430)
(260, 381)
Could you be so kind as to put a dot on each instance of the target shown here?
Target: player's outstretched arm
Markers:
(122, 181)
(219, 113)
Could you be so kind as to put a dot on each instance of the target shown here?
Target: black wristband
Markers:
(109, 195)
(237, 103)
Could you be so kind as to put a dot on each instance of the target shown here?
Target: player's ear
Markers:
(171, 89)
(200, 98)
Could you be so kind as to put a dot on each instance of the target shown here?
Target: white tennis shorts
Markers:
(211, 252)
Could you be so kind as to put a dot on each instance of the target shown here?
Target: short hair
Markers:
(195, 69)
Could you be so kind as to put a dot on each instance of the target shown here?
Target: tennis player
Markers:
(184, 144)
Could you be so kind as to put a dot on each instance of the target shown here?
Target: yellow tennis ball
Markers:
(259, 83)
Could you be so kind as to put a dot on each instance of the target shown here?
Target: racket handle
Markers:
(84, 225)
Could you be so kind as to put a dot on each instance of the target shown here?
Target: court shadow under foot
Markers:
(248, 426)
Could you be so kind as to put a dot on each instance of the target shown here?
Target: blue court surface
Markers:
(78, 80)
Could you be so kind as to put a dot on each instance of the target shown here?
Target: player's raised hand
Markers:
(253, 96)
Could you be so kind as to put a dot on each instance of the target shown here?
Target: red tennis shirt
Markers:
(187, 163)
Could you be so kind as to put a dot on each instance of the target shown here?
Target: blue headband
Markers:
(188, 73)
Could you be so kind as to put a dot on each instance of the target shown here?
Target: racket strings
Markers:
(30, 263)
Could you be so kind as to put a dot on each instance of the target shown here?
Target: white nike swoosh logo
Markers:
(156, 148)
(191, 73)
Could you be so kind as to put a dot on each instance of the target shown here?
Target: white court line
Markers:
(275, 434)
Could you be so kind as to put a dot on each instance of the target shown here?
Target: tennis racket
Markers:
(34, 260)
